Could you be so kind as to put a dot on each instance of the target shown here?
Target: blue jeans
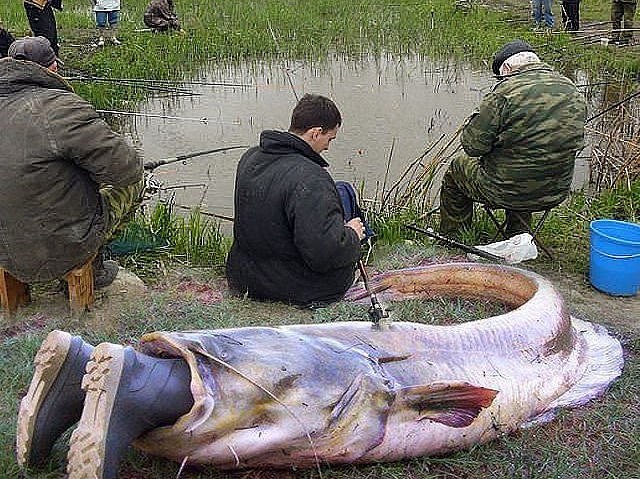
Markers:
(542, 8)
(111, 17)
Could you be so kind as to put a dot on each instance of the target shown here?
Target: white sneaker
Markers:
(115, 41)
(101, 42)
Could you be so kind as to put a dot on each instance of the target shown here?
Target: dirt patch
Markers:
(584, 301)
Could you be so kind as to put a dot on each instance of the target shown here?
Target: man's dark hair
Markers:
(314, 110)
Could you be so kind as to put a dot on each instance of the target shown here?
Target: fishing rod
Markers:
(155, 81)
(457, 244)
(162, 87)
(152, 165)
(204, 119)
(615, 105)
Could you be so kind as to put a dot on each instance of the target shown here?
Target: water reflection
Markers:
(407, 102)
(393, 108)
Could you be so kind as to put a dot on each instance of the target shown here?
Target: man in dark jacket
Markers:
(291, 240)
(68, 181)
(520, 144)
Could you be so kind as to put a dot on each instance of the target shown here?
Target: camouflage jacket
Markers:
(526, 134)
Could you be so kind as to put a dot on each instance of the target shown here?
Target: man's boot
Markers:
(104, 271)
(517, 222)
(128, 394)
(54, 401)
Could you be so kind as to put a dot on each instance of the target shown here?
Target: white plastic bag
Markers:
(513, 250)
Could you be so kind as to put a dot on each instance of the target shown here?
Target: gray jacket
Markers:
(55, 154)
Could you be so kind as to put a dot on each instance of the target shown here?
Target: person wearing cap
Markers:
(42, 20)
(520, 144)
(69, 182)
(292, 240)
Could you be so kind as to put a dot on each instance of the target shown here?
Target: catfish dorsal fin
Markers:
(452, 403)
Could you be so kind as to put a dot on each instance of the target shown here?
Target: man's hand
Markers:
(356, 225)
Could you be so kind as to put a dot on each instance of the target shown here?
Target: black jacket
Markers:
(290, 241)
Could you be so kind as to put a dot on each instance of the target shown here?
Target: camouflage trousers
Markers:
(121, 205)
(462, 185)
(620, 10)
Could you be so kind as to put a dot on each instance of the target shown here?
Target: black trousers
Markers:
(43, 23)
(571, 16)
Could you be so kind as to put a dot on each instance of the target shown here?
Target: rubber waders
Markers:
(127, 394)
(54, 400)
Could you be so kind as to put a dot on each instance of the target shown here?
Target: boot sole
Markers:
(48, 362)
(86, 456)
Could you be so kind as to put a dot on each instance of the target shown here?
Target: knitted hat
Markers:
(509, 49)
(34, 49)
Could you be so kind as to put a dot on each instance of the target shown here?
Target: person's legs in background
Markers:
(101, 25)
(114, 18)
(548, 13)
(537, 12)
(617, 11)
(629, 10)
(43, 23)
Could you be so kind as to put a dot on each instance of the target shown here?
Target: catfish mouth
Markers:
(510, 286)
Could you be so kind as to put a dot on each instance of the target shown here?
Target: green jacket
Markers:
(526, 134)
(56, 153)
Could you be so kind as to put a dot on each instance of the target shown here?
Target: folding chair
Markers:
(531, 228)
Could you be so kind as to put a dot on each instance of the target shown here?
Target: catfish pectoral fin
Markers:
(357, 422)
(453, 403)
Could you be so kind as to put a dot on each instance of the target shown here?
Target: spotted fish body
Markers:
(349, 393)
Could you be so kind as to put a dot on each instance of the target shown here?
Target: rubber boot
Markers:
(104, 271)
(55, 398)
(128, 394)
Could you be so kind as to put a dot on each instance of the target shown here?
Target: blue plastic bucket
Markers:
(614, 266)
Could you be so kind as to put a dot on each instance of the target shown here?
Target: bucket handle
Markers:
(616, 256)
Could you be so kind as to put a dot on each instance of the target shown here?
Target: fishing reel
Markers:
(151, 185)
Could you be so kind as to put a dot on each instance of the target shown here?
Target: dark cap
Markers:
(33, 49)
(511, 48)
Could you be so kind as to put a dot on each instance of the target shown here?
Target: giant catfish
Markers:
(346, 392)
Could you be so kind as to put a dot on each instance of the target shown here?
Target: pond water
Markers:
(393, 108)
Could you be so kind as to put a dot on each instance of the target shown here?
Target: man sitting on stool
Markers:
(520, 144)
(69, 182)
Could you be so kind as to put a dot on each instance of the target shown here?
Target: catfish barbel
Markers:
(345, 392)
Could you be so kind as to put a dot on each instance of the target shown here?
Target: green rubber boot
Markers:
(54, 400)
(128, 394)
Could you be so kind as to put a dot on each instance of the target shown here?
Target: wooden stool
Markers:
(14, 293)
